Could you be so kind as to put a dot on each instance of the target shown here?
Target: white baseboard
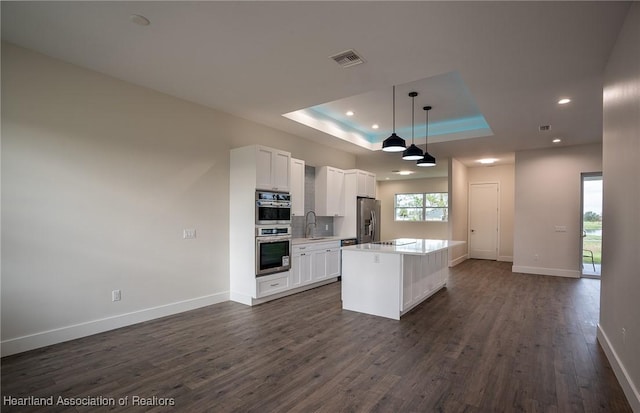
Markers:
(59, 335)
(629, 388)
(240, 298)
(458, 260)
(557, 272)
(505, 258)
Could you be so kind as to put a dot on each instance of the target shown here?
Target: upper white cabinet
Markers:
(329, 191)
(365, 183)
(297, 187)
(272, 169)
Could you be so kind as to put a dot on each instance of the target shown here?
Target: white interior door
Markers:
(483, 220)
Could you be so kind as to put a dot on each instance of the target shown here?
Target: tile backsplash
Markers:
(324, 225)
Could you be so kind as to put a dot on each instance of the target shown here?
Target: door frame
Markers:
(584, 175)
(497, 183)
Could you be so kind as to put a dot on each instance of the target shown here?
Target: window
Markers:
(430, 206)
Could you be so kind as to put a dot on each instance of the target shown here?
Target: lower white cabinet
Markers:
(301, 268)
(314, 262)
(422, 276)
(274, 283)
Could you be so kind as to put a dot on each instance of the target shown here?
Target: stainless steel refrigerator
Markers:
(368, 220)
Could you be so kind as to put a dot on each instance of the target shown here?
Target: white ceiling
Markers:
(259, 60)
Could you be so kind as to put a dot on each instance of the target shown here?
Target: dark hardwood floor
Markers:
(492, 341)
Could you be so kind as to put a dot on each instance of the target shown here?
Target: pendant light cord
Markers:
(426, 136)
(413, 113)
(394, 108)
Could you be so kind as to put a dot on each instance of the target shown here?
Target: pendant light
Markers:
(427, 159)
(394, 143)
(412, 153)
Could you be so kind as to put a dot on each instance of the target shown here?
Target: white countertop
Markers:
(298, 241)
(410, 246)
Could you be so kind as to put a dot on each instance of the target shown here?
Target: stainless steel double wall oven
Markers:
(273, 232)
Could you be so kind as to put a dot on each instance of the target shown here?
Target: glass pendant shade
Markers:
(393, 143)
(412, 153)
(427, 160)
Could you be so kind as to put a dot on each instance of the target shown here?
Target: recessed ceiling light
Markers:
(557, 140)
(564, 101)
(375, 126)
(487, 161)
(350, 113)
(139, 20)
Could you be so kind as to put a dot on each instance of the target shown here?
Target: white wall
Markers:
(619, 307)
(505, 176)
(459, 212)
(99, 178)
(390, 228)
(547, 194)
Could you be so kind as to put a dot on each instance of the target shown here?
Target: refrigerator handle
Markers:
(373, 225)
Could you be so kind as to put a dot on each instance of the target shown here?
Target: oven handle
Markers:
(271, 238)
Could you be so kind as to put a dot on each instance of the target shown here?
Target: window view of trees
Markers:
(592, 227)
(430, 206)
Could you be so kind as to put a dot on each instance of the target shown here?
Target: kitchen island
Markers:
(389, 278)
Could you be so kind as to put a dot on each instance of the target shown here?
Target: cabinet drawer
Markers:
(299, 249)
(273, 285)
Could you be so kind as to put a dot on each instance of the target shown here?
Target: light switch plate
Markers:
(189, 233)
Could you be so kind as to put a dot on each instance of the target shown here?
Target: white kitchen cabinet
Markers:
(365, 183)
(314, 261)
(273, 168)
(332, 259)
(252, 167)
(326, 261)
(301, 266)
(297, 187)
(357, 183)
(271, 284)
(422, 276)
(329, 191)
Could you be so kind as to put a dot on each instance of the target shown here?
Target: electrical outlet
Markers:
(376, 258)
(116, 295)
(535, 257)
(561, 228)
(189, 233)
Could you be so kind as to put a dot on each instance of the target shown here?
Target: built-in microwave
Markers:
(273, 252)
(273, 208)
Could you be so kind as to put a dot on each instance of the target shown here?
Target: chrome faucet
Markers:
(307, 224)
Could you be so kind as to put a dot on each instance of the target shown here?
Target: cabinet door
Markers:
(272, 169)
(264, 171)
(332, 262)
(296, 271)
(361, 183)
(335, 192)
(370, 185)
(319, 265)
(297, 187)
(306, 269)
(280, 170)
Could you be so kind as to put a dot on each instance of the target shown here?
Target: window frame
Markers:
(423, 209)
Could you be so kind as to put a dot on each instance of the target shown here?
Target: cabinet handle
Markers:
(275, 285)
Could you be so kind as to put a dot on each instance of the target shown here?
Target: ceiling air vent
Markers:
(544, 128)
(348, 58)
